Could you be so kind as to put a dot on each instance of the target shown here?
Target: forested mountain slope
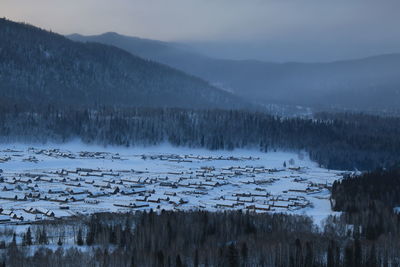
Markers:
(365, 84)
(40, 67)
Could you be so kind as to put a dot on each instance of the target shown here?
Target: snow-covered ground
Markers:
(46, 181)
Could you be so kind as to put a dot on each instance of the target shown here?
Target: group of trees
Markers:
(336, 142)
(369, 201)
(360, 193)
(208, 239)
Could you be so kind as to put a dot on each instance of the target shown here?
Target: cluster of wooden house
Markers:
(129, 189)
(261, 202)
(191, 158)
(99, 155)
(6, 215)
(5, 159)
(56, 153)
(147, 198)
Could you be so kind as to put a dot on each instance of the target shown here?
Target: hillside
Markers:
(365, 84)
(41, 67)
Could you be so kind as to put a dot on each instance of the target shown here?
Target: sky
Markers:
(271, 30)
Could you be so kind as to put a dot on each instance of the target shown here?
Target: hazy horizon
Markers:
(305, 30)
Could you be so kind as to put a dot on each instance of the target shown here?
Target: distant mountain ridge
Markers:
(41, 67)
(371, 83)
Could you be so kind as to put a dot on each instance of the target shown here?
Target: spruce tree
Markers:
(28, 237)
(79, 239)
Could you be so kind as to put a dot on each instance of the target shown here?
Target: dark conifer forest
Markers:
(335, 141)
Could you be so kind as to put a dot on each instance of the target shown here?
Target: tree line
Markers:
(349, 142)
(201, 238)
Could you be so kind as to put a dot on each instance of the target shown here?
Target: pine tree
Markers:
(28, 237)
(43, 240)
(160, 258)
(90, 237)
(357, 253)
(244, 251)
(178, 262)
(371, 259)
(233, 256)
(348, 257)
(14, 240)
(79, 239)
(330, 256)
(298, 253)
(112, 236)
(196, 258)
(309, 260)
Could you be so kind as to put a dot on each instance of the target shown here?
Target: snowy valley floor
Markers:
(52, 181)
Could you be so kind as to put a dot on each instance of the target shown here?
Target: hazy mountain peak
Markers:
(369, 83)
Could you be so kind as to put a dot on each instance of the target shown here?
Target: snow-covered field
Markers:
(52, 181)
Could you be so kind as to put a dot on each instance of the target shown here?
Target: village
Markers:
(46, 183)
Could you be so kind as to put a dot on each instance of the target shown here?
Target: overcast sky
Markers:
(277, 30)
